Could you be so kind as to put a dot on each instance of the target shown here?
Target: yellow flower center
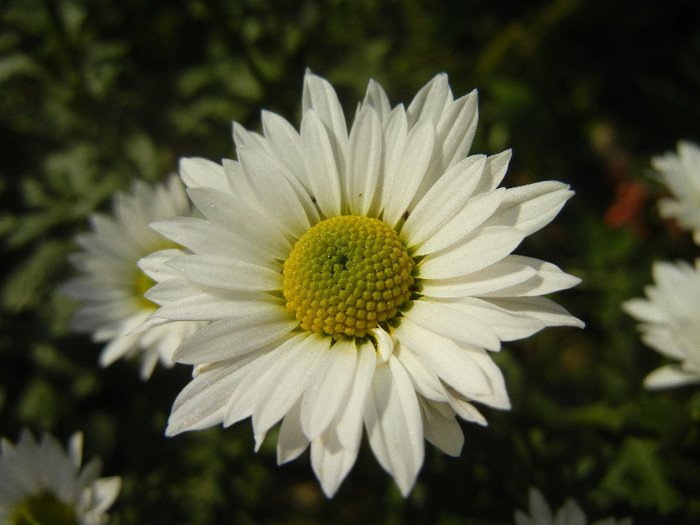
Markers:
(346, 275)
(43, 509)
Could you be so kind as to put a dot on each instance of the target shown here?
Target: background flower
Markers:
(669, 317)
(111, 286)
(41, 483)
(569, 514)
(681, 174)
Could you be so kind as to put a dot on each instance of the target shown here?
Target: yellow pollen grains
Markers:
(346, 275)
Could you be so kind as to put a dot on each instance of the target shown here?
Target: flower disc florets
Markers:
(346, 275)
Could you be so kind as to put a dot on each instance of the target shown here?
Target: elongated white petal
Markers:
(394, 424)
(321, 403)
(539, 308)
(503, 274)
(430, 101)
(197, 172)
(320, 97)
(486, 247)
(462, 226)
(227, 274)
(405, 173)
(531, 207)
(453, 364)
(548, 278)
(440, 318)
(425, 381)
(201, 403)
(444, 199)
(441, 429)
(291, 442)
(331, 461)
(671, 376)
(321, 165)
(349, 420)
(377, 99)
(254, 328)
(364, 163)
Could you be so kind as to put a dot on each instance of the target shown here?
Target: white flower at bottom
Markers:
(41, 484)
(111, 285)
(356, 280)
(681, 174)
(569, 514)
(670, 317)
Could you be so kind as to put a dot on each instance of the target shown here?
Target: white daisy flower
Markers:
(670, 317)
(569, 514)
(681, 174)
(111, 285)
(356, 279)
(41, 484)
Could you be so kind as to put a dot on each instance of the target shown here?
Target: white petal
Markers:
(321, 165)
(197, 172)
(503, 274)
(205, 237)
(670, 376)
(494, 171)
(539, 308)
(331, 461)
(384, 343)
(291, 442)
(487, 246)
(292, 374)
(236, 215)
(531, 207)
(329, 392)
(405, 173)
(457, 127)
(394, 424)
(444, 199)
(226, 273)
(442, 430)
(254, 328)
(458, 228)
(201, 403)
(430, 101)
(455, 365)
(547, 279)
(425, 382)
(285, 143)
(349, 420)
(440, 318)
(377, 99)
(364, 162)
(320, 97)
(508, 325)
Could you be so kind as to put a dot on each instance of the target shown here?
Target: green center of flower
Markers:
(43, 509)
(346, 275)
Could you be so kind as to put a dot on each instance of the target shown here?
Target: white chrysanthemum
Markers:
(356, 279)
(569, 514)
(111, 286)
(670, 317)
(42, 484)
(681, 174)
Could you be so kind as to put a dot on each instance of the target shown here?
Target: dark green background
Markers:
(94, 94)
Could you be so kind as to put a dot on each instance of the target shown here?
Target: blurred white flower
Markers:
(569, 514)
(670, 317)
(356, 279)
(41, 484)
(111, 286)
(681, 174)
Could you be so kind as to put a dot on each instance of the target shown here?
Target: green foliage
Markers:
(94, 95)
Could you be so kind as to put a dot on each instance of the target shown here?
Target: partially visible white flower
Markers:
(569, 514)
(681, 174)
(111, 286)
(42, 484)
(356, 279)
(670, 317)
